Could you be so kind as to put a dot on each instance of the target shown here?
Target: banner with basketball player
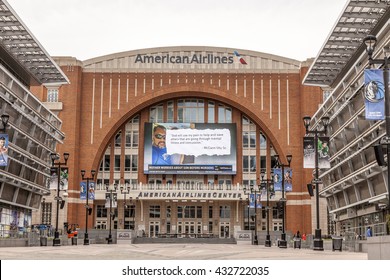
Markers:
(374, 94)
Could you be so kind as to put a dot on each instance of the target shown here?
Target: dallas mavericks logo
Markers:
(373, 91)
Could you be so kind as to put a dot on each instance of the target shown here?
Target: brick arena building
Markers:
(110, 99)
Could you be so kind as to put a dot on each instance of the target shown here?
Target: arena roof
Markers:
(358, 19)
(22, 54)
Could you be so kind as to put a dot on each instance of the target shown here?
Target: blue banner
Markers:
(3, 149)
(278, 177)
(83, 190)
(374, 94)
(255, 201)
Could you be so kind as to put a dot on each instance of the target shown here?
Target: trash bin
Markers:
(74, 241)
(43, 241)
(337, 243)
(297, 243)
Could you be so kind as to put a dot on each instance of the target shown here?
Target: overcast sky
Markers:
(89, 28)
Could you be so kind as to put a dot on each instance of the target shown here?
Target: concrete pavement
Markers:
(172, 252)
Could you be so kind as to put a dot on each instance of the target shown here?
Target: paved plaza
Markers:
(172, 252)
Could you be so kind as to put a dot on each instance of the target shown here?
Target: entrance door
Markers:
(154, 229)
(224, 230)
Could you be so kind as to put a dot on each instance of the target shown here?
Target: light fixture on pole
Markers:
(279, 164)
(54, 157)
(124, 190)
(112, 190)
(253, 193)
(370, 42)
(88, 210)
(318, 243)
(268, 185)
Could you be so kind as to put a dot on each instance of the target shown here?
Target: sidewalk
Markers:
(172, 252)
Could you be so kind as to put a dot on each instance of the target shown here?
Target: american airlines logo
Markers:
(188, 59)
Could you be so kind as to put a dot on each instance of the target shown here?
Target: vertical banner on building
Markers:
(64, 178)
(323, 152)
(374, 94)
(114, 200)
(53, 178)
(308, 152)
(64, 174)
(84, 190)
(253, 198)
(278, 177)
(3, 149)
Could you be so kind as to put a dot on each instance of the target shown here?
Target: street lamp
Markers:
(87, 209)
(112, 189)
(54, 157)
(318, 244)
(279, 164)
(254, 191)
(124, 191)
(370, 42)
(268, 184)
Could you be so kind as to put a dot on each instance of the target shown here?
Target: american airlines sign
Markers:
(189, 59)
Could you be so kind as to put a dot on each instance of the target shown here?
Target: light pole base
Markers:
(318, 243)
(57, 242)
(109, 239)
(282, 244)
(255, 241)
(86, 239)
(268, 242)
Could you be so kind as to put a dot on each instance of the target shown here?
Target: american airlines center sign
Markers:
(189, 59)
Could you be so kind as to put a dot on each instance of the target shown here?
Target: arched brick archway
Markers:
(258, 117)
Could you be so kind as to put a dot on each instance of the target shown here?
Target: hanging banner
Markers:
(323, 152)
(255, 202)
(279, 177)
(3, 149)
(83, 190)
(374, 94)
(309, 153)
(64, 174)
(113, 200)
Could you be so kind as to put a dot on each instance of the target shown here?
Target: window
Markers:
(117, 163)
(118, 139)
(224, 114)
(211, 113)
(249, 164)
(224, 212)
(154, 211)
(170, 112)
(190, 110)
(101, 211)
(52, 95)
(46, 213)
(157, 113)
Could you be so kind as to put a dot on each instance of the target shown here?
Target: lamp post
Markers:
(124, 190)
(279, 164)
(318, 244)
(370, 42)
(54, 157)
(254, 191)
(87, 211)
(112, 189)
(247, 200)
(267, 183)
